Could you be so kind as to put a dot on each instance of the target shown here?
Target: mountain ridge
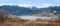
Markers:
(17, 10)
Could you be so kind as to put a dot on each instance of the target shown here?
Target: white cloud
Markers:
(7, 4)
(44, 5)
(21, 5)
(24, 5)
(30, 5)
(38, 6)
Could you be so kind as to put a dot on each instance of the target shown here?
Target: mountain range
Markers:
(17, 10)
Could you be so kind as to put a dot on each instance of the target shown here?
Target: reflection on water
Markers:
(35, 17)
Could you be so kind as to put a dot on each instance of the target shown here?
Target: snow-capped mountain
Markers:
(17, 10)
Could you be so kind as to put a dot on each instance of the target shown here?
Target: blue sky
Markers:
(28, 3)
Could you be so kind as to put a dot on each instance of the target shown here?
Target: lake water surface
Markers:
(35, 17)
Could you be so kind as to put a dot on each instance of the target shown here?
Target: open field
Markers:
(16, 21)
(30, 23)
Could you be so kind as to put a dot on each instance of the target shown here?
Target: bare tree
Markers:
(3, 15)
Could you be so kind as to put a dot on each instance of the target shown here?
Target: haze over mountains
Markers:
(17, 10)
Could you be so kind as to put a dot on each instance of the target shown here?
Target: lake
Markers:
(35, 17)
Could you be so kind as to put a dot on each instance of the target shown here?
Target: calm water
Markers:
(35, 17)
